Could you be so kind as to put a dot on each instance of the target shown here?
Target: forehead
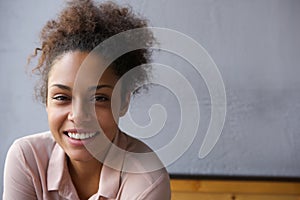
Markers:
(80, 69)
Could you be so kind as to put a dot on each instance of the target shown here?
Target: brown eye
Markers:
(61, 98)
(100, 98)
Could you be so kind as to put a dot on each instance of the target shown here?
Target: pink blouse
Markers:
(36, 168)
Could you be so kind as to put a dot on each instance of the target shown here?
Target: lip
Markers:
(79, 142)
(80, 130)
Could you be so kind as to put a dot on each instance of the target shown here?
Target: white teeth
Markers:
(81, 136)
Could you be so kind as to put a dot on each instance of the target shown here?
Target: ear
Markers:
(125, 104)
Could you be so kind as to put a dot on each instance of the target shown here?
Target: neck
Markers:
(86, 170)
(85, 176)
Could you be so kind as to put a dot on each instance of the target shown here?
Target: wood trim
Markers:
(236, 177)
(235, 187)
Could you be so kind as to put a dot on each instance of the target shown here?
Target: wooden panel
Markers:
(266, 197)
(265, 187)
(234, 190)
(212, 196)
(197, 196)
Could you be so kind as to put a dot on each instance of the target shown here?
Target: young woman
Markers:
(85, 155)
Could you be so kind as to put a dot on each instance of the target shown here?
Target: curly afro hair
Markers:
(82, 26)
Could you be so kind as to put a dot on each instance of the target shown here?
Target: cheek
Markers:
(56, 117)
(106, 121)
(105, 118)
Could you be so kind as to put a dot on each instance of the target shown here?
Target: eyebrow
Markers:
(64, 87)
(98, 87)
(93, 88)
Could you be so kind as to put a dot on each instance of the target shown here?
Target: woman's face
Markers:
(77, 109)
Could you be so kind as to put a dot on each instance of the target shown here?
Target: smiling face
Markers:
(77, 107)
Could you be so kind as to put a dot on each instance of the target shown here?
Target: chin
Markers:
(80, 155)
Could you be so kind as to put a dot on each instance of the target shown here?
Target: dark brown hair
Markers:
(82, 26)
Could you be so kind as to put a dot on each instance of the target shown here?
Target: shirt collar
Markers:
(58, 177)
(111, 171)
(55, 168)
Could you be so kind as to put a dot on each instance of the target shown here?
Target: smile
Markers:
(80, 136)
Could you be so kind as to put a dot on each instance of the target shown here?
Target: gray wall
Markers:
(254, 43)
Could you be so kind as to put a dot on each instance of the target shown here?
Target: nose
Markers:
(81, 112)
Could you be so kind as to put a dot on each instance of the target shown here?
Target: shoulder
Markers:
(144, 175)
(148, 185)
(32, 148)
(132, 144)
(25, 166)
(36, 139)
(39, 141)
